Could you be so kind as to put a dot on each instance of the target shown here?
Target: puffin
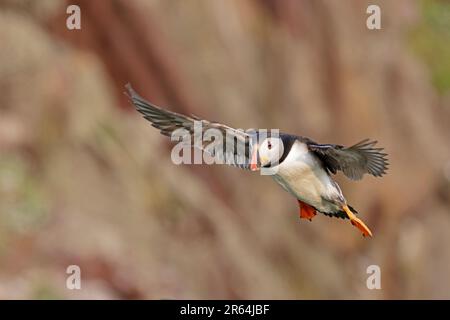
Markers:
(301, 166)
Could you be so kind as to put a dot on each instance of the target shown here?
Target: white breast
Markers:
(302, 175)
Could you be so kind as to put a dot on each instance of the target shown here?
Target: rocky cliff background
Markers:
(85, 180)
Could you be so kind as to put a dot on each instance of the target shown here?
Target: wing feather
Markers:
(236, 144)
(354, 161)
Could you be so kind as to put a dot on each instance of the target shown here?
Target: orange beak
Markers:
(254, 161)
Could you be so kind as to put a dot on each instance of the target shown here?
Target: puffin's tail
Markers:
(340, 214)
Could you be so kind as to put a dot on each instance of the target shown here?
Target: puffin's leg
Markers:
(357, 222)
(306, 211)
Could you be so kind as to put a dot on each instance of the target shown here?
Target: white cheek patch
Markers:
(277, 154)
(273, 156)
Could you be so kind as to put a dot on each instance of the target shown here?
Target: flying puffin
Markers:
(300, 166)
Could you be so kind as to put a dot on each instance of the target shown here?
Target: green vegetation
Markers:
(23, 206)
(431, 40)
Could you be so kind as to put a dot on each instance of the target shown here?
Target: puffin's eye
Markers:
(269, 145)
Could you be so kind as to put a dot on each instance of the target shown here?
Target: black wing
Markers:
(236, 144)
(354, 161)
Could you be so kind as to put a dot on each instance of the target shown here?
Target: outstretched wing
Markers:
(354, 161)
(235, 146)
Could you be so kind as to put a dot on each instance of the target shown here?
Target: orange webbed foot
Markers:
(357, 222)
(306, 211)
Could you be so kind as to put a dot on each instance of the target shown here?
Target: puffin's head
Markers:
(270, 151)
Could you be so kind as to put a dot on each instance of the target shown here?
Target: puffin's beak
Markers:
(254, 161)
(264, 161)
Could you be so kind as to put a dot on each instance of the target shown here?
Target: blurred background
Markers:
(85, 180)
